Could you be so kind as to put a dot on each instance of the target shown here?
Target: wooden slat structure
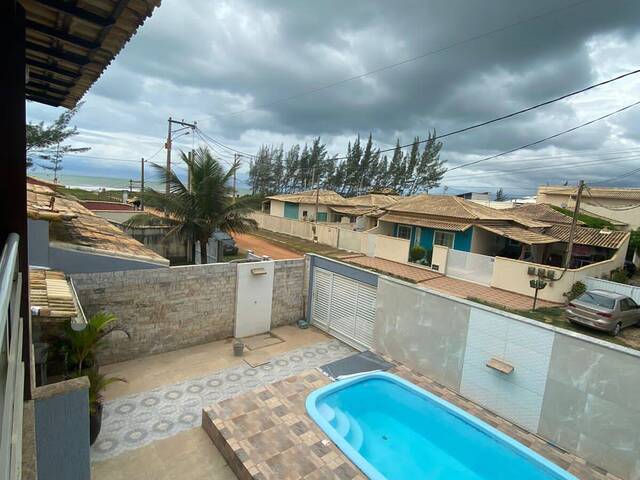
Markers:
(69, 44)
(51, 294)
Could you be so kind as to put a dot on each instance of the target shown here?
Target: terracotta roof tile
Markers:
(73, 224)
(540, 212)
(519, 234)
(325, 197)
(589, 236)
(426, 222)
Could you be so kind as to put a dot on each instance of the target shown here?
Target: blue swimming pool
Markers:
(393, 430)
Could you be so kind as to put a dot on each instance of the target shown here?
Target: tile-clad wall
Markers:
(170, 308)
(578, 393)
(517, 396)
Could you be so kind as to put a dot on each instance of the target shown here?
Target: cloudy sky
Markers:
(233, 66)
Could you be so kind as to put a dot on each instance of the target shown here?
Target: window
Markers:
(404, 232)
(597, 300)
(443, 238)
(304, 213)
(627, 304)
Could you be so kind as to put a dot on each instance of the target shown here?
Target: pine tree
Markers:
(430, 169)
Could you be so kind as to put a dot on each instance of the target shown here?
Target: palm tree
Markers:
(197, 212)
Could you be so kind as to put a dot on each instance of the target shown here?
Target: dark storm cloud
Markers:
(206, 60)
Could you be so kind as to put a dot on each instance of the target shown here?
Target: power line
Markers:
(225, 146)
(408, 60)
(537, 142)
(625, 174)
(490, 173)
(509, 115)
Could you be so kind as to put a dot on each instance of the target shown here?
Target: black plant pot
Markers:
(95, 424)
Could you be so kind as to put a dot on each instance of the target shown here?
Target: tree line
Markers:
(363, 169)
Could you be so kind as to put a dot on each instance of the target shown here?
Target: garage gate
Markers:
(344, 308)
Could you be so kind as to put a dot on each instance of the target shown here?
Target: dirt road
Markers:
(260, 246)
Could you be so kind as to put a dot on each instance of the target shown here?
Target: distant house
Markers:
(620, 206)
(66, 236)
(538, 236)
(332, 207)
(302, 205)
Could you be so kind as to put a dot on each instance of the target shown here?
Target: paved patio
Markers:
(451, 286)
(266, 434)
(151, 425)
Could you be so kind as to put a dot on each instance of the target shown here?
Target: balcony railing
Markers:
(11, 364)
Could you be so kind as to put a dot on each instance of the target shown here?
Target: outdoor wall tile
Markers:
(524, 335)
(530, 367)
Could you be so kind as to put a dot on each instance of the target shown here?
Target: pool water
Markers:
(393, 430)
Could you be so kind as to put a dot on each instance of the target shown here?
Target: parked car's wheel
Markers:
(616, 329)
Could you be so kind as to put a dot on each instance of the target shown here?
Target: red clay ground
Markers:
(260, 246)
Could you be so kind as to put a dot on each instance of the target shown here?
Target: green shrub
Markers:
(620, 276)
(577, 289)
(416, 253)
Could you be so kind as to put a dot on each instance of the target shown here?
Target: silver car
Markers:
(602, 310)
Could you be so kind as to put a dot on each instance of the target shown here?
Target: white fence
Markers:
(470, 266)
(333, 235)
(628, 290)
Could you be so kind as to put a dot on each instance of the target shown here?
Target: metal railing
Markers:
(11, 364)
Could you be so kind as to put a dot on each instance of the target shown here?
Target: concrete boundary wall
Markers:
(170, 308)
(576, 391)
(333, 235)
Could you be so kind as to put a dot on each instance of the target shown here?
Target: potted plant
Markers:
(78, 349)
(98, 382)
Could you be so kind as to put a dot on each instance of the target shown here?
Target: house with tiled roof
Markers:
(534, 233)
(331, 206)
(64, 235)
(620, 206)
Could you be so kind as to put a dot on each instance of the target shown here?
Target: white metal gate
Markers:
(344, 308)
(470, 266)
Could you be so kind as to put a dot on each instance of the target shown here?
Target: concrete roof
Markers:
(76, 226)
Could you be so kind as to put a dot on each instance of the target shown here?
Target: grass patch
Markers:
(298, 245)
(588, 220)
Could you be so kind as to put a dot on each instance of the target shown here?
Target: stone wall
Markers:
(169, 308)
(288, 288)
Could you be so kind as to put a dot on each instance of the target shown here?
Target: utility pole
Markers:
(189, 171)
(168, 147)
(235, 160)
(193, 127)
(142, 184)
(315, 174)
(574, 222)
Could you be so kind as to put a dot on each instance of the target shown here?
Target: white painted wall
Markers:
(277, 208)
(254, 295)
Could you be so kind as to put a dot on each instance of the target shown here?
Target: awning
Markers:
(519, 234)
(426, 222)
